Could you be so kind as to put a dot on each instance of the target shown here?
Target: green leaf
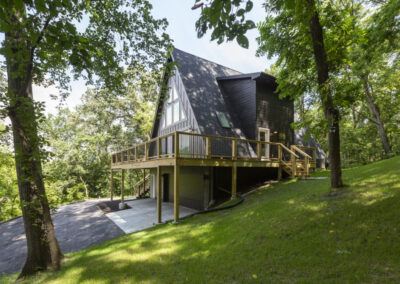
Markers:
(249, 6)
(240, 12)
(242, 41)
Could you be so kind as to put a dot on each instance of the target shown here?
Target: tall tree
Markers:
(45, 41)
(294, 32)
(377, 50)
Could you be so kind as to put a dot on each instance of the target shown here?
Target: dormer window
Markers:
(223, 120)
(173, 112)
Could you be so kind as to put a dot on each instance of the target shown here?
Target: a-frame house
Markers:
(216, 131)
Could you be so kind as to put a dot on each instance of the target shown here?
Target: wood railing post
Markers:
(129, 155)
(279, 153)
(234, 149)
(136, 154)
(208, 147)
(314, 155)
(294, 163)
(176, 145)
(259, 150)
(146, 151)
(306, 166)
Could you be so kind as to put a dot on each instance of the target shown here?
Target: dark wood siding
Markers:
(274, 113)
(240, 97)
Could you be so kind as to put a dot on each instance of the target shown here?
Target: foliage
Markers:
(81, 140)
(286, 232)
(9, 197)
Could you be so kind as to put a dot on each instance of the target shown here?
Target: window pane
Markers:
(184, 144)
(169, 115)
(170, 94)
(176, 111)
(223, 120)
(174, 93)
(182, 113)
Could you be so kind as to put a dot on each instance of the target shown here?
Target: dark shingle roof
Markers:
(199, 76)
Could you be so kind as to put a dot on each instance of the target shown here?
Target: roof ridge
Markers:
(180, 50)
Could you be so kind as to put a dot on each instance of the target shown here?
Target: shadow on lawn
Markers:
(282, 233)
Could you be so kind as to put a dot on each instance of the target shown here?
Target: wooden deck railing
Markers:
(200, 146)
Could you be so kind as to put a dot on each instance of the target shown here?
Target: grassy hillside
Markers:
(287, 232)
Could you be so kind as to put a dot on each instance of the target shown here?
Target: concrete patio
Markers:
(143, 214)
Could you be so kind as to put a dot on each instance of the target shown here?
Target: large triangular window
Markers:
(173, 109)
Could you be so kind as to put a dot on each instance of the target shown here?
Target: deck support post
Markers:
(280, 162)
(294, 163)
(144, 181)
(122, 186)
(234, 180)
(306, 166)
(159, 197)
(176, 192)
(112, 185)
(280, 172)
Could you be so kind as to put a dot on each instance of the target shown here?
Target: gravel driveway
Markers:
(78, 226)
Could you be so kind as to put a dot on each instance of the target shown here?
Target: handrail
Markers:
(301, 152)
(290, 151)
(135, 153)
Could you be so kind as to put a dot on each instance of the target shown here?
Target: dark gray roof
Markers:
(199, 76)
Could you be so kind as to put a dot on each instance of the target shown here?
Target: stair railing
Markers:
(305, 163)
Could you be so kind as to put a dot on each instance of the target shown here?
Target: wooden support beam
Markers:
(144, 181)
(306, 166)
(208, 147)
(280, 172)
(146, 151)
(294, 164)
(234, 149)
(259, 150)
(136, 154)
(122, 186)
(159, 196)
(176, 192)
(234, 180)
(176, 145)
(158, 147)
(112, 186)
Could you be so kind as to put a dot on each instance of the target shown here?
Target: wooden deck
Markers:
(191, 149)
(198, 150)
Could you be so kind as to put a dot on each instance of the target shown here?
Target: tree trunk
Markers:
(376, 116)
(43, 248)
(86, 189)
(331, 111)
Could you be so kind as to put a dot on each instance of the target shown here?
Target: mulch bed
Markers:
(111, 206)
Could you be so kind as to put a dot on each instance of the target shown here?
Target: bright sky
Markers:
(182, 30)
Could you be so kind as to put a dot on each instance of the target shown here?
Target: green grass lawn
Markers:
(286, 232)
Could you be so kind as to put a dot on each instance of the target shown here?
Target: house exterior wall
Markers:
(274, 113)
(240, 98)
(194, 186)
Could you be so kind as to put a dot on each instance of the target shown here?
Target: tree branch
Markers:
(46, 24)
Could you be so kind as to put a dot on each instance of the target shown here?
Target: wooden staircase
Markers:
(299, 164)
(140, 190)
(299, 170)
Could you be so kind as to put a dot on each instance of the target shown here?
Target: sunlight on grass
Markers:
(286, 232)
